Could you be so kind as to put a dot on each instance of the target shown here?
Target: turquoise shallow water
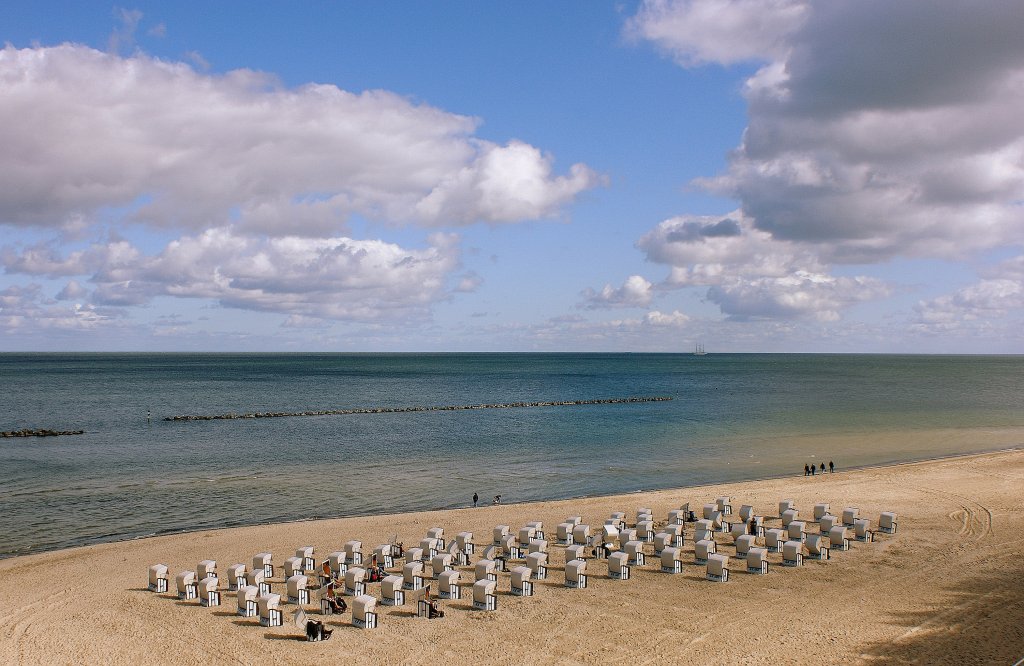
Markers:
(732, 417)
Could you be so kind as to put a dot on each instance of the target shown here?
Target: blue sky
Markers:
(609, 176)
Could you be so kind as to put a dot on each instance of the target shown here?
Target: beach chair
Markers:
(338, 561)
(448, 585)
(788, 516)
(575, 552)
(703, 549)
(510, 549)
(429, 547)
(412, 576)
(263, 561)
(618, 566)
(440, 563)
(797, 531)
(718, 568)
(392, 591)
(862, 530)
(413, 555)
(786, 505)
(186, 585)
(625, 536)
(850, 514)
(676, 531)
(743, 545)
(773, 540)
(662, 541)
(574, 520)
(271, 614)
(364, 612)
(538, 526)
(635, 552)
(758, 521)
(746, 512)
(209, 595)
(610, 534)
(563, 533)
(305, 553)
(246, 603)
(817, 546)
(538, 546)
(700, 534)
(792, 554)
(158, 578)
(645, 530)
(258, 579)
(676, 517)
(724, 505)
(500, 532)
(292, 567)
(837, 539)
(887, 522)
(820, 509)
(708, 510)
(718, 521)
(522, 586)
(383, 555)
(206, 569)
(465, 541)
(354, 552)
(827, 522)
(620, 519)
(538, 565)
(580, 534)
(355, 581)
(643, 514)
(737, 530)
(484, 597)
(437, 533)
(297, 588)
(526, 534)
(484, 570)
(757, 561)
(671, 561)
(576, 574)
(236, 576)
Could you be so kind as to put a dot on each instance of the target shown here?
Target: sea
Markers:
(731, 417)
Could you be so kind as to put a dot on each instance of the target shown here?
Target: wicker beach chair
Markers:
(206, 569)
(355, 581)
(704, 549)
(792, 553)
(538, 526)
(563, 533)
(538, 565)
(671, 561)
(580, 534)
(743, 545)
(438, 534)
(746, 512)
(850, 514)
(364, 612)
(235, 575)
(392, 591)
(618, 566)
(485, 570)
(718, 568)
(246, 603)
(645, 530)
(862, 530)
(412, 576)
(788, 516)
(484, 596)
(576, 574)
(264, 561)
(817, 546)
(271, 614)
(820, 509)
(521, 585)
(305, 553)
(773, 540)
(186, 584)
(500, 532)
(448, 585)
(293, 566)
(786, 505)
(383, 555)
(837, 539)
(724, 505)
(297, 587)
(209, 594)
(338, 561)
(440, 563)
(797, 531)
(354, 551)
(757, 561)
(158, 578)
(635, 552)
(258, 579)
(887, 522)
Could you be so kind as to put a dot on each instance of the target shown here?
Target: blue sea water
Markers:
(731, 417)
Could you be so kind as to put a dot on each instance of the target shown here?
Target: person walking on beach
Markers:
(807, 470)
(822, 468)
(831, 467)
(476, 498)
(812, 469)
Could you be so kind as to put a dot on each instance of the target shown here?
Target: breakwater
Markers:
(403, 410)
(39, 432)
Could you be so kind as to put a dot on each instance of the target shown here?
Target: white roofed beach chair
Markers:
(412, 576)
(671, 561)
(789, 515)
(270, 611)
(737, 530)
(709, 509)
(440, 563)
(246, 601)
(206, 569)
(521, 585)
(662, 541)
(187, 586)
(797, 531)
(292, 566)
(792, 553)
(625, 536)
(364, 612)
(743, 545)
(724, 505)
(718, 567)
(448, 585)
(820, 509)
(354, 551)
(538, 565)
(574, 520)
(236, 576)
(263, 561)
(704, 549)
(538, 525)
(209, 595)
(575, 552)
(563, 532)
(576, 573)
(437, 533)
(887, 522)
(635, 551)
(355, 584)
(158, 578)
(383, 555)
(645, 530)
(773, 540)
(746, 511)
(862, 530)
(785, 505)
(619, 517)
(484, 596)
(258, 579)
(338, 561)
(510, 548)
(817, 546)
(391, 591)
(429, 546)
(676, 517)
(306, 554)
(538, 546)
(485, 570)
(618, 566)
(500, 532)
(837, 539)
(297, 587)
(413, 555)
(757, 561)
(850, 514)
(827, 522)
(526, 534)
(580, 535)
(676, 531)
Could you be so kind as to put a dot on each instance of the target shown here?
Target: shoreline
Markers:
(309, 519)
(947, 588)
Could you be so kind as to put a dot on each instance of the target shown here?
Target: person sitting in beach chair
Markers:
(433, 610)
(336, 603)
(326, 575)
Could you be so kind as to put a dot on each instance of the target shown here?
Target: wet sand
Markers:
(948, 587)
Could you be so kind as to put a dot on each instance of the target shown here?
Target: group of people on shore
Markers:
(495, 501)
(809, 470)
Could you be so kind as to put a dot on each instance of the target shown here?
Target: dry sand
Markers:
(947, 588)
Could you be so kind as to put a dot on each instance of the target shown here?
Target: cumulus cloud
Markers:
(26, 309)
(93, 135)
(331, 278)
(635, 292)
(997, 296)
(876, 129)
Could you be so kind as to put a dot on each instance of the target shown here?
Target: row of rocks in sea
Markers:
(41, 432)
(402, 410)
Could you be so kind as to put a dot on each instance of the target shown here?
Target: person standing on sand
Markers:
(822, 468)
(476, 498)
(807, 471)
(831, 467)
(812, 469)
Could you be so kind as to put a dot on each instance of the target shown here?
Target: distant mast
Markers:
(698, 350)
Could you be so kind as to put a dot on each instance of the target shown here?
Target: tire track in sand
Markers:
(975, 521)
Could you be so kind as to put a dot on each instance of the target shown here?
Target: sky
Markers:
(754, 176)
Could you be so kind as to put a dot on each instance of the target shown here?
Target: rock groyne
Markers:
(39, 432)
(403, 410)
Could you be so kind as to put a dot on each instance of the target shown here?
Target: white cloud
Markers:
(26, 310)
(635, 292)
(876, 129)
(93, 135)
(997, 297)
(799, 295)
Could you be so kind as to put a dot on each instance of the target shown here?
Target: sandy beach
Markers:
(947, 588)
